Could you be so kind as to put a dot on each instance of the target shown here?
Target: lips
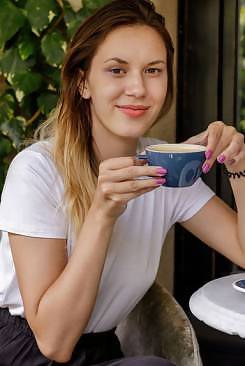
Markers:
(133, 110)
(133, 107)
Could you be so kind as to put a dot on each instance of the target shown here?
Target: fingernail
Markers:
(205, 168)
(161, 171)
(208, 154)
(160, 181)
(221, 159)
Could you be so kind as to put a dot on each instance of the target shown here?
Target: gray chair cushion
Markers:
(159, 326)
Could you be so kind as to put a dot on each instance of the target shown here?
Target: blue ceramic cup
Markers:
(182, 161)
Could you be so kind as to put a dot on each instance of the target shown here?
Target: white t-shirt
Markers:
(31, 205)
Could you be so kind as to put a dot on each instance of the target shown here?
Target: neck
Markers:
(107, 145)
(114, 148)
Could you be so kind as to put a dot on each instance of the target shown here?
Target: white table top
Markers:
(220, 306)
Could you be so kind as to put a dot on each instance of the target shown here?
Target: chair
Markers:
(159, 326)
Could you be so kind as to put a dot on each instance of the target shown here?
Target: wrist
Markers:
(232, 173)
(100, 216)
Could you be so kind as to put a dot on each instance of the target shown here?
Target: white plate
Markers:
(239, 285)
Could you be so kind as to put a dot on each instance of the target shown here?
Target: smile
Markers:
(133, 110)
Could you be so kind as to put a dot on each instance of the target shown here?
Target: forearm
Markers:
(65, 308)
(238, 188)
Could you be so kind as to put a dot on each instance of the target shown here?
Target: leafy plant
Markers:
(33, 38)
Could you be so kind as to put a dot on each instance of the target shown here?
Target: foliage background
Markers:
(33, 39)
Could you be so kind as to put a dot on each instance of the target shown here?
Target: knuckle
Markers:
(117, 200)
(105, 189)
(230, 130)
(240, 136)
(102, 166)
(216, 124)
(237, 145)
(131, 170)
(101, 179)
(219, 124)
(132, 160)
(134, 186)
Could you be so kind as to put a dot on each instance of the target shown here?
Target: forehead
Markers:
(137, 41)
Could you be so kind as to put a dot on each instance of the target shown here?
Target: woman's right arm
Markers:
(59, 295)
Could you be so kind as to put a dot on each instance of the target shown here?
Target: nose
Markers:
(135, 85)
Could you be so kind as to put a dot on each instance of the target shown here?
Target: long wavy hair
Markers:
(70, 124)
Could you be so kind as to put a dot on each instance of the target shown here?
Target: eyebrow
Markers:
(120, 61)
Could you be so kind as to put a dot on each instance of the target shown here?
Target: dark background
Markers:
(207, 91)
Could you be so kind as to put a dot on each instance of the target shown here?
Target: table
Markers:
(220, 306)
(218, 318)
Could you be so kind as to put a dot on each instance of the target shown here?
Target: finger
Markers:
(233, 149)
(234, 162)
(133, 172)
(125, 197)
(131, 186)
(200, 139)
(121, 162)
(215, 131)
(222, 138)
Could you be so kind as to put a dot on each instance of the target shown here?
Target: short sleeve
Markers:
(31, 198)
(186, 202)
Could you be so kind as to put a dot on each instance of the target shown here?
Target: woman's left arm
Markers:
(216, 223)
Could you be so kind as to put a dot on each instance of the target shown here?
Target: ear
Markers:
(83, 87)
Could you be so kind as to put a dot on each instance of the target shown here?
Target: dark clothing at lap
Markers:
(18, 347)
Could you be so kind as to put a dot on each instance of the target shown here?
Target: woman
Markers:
(84, 226)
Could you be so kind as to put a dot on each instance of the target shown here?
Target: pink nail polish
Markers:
(161, 171)
(208, 154)
(221, 159)
(160, 181)
(205, 168)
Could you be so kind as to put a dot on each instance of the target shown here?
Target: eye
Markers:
(153, 70)
(117, 71)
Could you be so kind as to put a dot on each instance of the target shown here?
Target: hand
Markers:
(118, 183)
(224, 144)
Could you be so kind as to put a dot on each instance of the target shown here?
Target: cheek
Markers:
(159, 94)
(106, 93)
(104, 85)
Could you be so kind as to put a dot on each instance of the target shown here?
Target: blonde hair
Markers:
(70, 125)
(73, 162)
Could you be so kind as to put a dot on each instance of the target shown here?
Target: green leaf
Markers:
(3, 85)
(11, 63)
(28, 106)
(95, 4)
(7, 106)
(26, 83)
(53, 74)
(11, 20)
(14, 129)
(5, 147)
(242, 126)
(53, 47)
(74, 19)
(47, 101)
(27, 45)
(41, 13)
(20, 3)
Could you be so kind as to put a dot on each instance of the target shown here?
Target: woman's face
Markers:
(127, 82)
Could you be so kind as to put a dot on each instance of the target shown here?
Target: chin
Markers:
(132, 134)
